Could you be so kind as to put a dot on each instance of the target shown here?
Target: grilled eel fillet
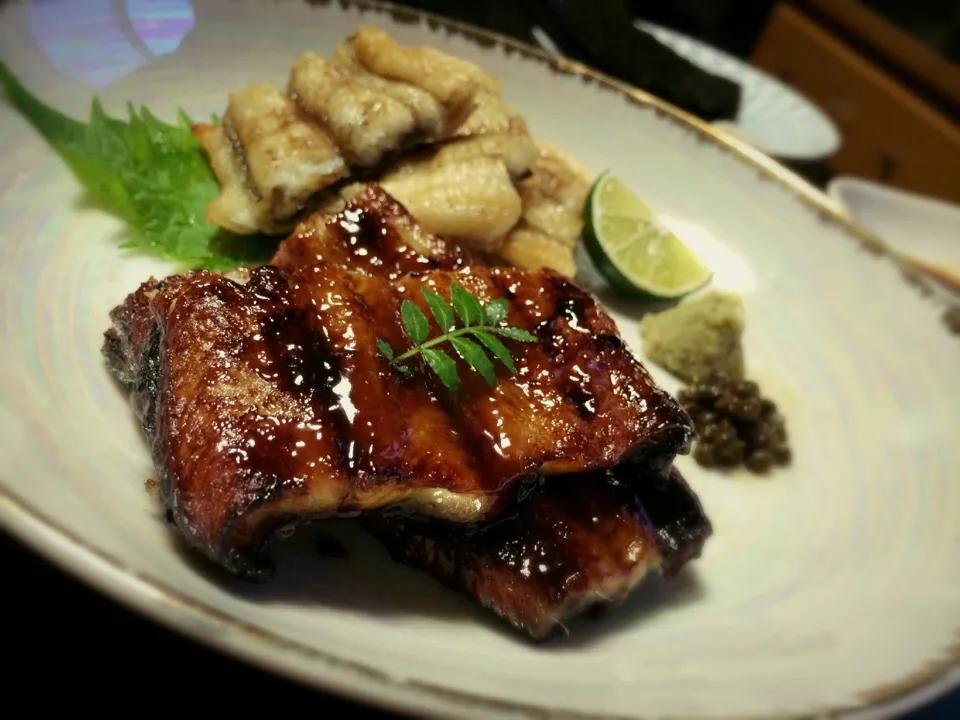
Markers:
(267, 403)
(465, 189)
(277, 148)
(577, 542)
(552, 198)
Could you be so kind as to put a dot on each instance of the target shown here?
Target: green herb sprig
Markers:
(479, 323)
(152, 175)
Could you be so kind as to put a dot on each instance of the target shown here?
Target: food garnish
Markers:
(151, 174)
(490, 186)
(699, 341)
(633, 250)
(481, 322)
(736, 425)
(699, 338)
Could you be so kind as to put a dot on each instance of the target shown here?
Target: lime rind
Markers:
(636, 253)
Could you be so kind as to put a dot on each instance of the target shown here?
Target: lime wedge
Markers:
(633, 250)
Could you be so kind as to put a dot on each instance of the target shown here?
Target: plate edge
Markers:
(205, 624)
(28, 524)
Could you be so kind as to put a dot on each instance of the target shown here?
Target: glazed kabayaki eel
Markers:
(266, 404)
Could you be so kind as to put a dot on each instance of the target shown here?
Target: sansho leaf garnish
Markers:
(477, 336)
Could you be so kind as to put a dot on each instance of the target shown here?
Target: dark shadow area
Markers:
(653, 596)
(110, 660)
(633, 309)
(365, 581)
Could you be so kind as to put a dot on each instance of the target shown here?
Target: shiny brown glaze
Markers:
(579, 399)
(201, 353)
(268, 402)
(576, 542)
(369, 232)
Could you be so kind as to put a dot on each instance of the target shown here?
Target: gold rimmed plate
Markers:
(830, 588)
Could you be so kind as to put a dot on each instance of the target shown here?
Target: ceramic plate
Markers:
(773, 116)
(921, 229)
(829, 589)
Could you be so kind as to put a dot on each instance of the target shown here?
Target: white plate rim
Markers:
(234, 637)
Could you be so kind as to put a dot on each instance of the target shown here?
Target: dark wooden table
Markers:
(70, 648)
